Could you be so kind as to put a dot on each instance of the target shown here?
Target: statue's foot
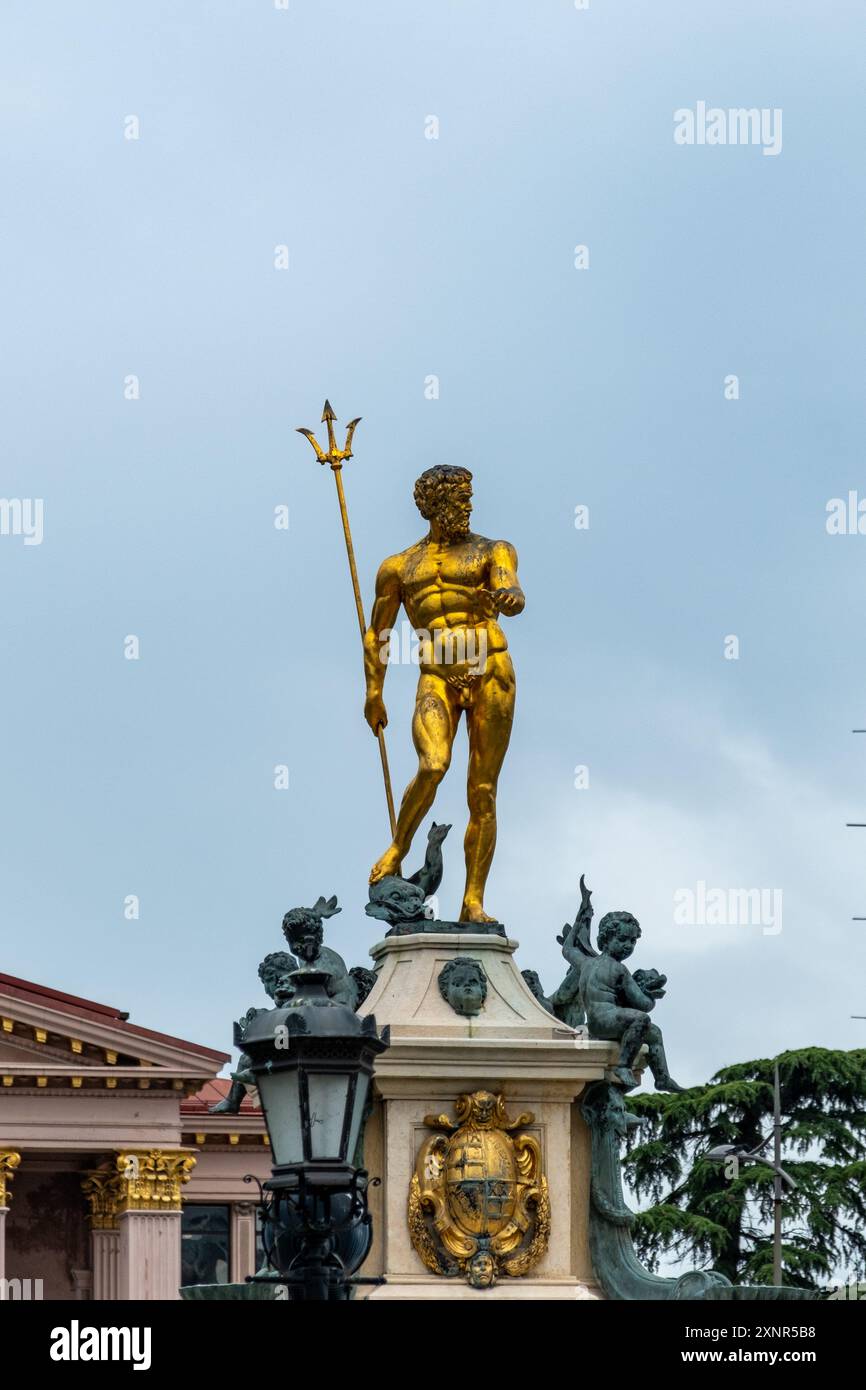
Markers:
(223, 1107)
(627, 1077)
(474, 912)
(389, 864)
(667, 1083)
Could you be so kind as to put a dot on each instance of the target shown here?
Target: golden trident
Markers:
(336, 458)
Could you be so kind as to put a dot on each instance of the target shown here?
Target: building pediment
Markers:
(50, 1039)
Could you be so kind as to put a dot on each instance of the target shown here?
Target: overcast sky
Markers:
(604, 387)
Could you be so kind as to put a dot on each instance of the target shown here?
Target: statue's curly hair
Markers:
(276, 963)
(611, 923)
(433, 486)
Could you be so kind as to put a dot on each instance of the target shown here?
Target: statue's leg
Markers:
(489, 718)
(232, 1103)
(658, 1062)
(634, 1037)
(635, 1028)
(433, 727)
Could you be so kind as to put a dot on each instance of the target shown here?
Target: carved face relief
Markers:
(463, 985)
(481, 1271)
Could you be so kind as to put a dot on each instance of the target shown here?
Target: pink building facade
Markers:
(115, 1181)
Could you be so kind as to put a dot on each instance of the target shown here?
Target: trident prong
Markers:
(335, 457)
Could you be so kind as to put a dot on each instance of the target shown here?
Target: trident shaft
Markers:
(336, 458)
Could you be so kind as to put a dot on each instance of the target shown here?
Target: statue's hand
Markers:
(375, 713)
(507, 601)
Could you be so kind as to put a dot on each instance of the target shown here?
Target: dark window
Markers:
(205, 1244)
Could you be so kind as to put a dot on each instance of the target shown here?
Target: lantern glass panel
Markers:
(280, 1102)
(361, 1089)
(328, 1091)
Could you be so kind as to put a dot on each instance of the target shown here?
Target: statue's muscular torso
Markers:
(448, 586)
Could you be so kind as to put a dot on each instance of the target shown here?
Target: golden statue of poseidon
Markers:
(453, 585)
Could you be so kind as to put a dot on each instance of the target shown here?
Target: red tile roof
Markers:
(210, 1093)
(98, 1013)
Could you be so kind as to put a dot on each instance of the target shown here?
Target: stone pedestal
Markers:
(513, 1047)
(3, 1213)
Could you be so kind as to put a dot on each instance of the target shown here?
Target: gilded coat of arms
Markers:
(478, 1201)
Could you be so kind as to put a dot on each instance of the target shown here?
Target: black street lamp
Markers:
(723, 1153)
(312, 1060)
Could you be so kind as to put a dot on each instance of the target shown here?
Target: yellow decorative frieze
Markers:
(9, 1161)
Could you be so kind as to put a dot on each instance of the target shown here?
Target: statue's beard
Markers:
(453, 524)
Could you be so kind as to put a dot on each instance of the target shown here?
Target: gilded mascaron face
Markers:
(482, 1271)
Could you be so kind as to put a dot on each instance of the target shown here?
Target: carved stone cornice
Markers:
(9, 1161)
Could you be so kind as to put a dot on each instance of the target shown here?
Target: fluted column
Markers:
(149, 1206)
(243, 1241)
(9, 1161)
(100, 1189)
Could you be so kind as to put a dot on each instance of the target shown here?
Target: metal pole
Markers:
(336, 458)
(777, 1181)
(337, 470)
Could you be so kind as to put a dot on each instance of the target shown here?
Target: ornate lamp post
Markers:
(724, 1153)
(312, 1060)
